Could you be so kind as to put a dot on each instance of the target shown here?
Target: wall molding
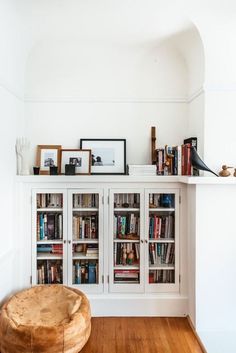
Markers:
(7, 87)
(104, 100)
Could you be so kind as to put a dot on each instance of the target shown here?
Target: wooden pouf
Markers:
(45, 319)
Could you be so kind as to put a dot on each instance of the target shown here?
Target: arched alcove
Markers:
(114, 89)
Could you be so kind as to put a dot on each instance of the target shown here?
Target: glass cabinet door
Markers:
(125, 239)
(48, 240)
(85, 243)
(162, 240)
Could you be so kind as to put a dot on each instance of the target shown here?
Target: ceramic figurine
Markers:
(22, 151)
(124, 257)
(224, 172)
(197, 162)
(131, 257)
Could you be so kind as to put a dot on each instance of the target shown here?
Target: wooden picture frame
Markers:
(108, 155)
(48, 155)
(76, 156)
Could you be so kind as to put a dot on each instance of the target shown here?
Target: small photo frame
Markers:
(81, 158)
(108, 155)
(48, 156)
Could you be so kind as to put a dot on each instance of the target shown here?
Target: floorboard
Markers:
(141, 335)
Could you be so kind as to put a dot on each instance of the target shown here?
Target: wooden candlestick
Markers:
(153, 142)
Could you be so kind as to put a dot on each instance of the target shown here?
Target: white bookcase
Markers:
(117, 241)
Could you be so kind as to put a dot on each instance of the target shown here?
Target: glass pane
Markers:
(126, 235)
(85, 234)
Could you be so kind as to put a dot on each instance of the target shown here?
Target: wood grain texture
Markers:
(141, 335)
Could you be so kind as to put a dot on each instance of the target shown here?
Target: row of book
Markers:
(161, 253)
(126, 224)
(45, 249)
(49, 226)
(161, 226)
(85, 249)
(161, 276)
(85, 227)
(126, 253)
(161, 200)
(85, 272)
(178, 158)
(49, 200)
(85, 200)
(126, 276)
(49, 272)
(127, 200)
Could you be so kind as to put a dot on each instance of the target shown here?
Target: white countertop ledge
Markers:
(204, 180)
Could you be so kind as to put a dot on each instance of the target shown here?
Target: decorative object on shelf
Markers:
(142, 169)
(124, 256)
(153, 143)
(48, 156)
(225, 172)
(108, 155)
(22, 151)
(130, 257)
(53, 170)
(235, 172)
(166, 200)
(168, 165)
(36, 170)
(69, 169)
(197, 162)
(79, 158)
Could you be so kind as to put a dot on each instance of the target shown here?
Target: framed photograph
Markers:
(48, 156)
(108, 155)
(81, 158)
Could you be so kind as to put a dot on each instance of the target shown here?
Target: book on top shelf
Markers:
(176, 160)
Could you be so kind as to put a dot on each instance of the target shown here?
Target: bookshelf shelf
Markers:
(128, 209)
(126, 241)
(161, 267)
(161, 209)
(84, 257)
(165, 240)
(87, 241)
(44, 242)
(49, 257)
(49, 209)
(121, 267)
(88, 209)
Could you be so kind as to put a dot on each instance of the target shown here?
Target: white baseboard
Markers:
(138, 306)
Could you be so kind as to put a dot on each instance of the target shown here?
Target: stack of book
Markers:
(49, 272)
(49, 226)
(178, 157)
(161, 226)
(126, 225)
(49, 200)
(50, 249)
(85, 227)
(85, 272)
(85, 201)
(162, 276)
(160, 253)
(142, 170)
(126, 276)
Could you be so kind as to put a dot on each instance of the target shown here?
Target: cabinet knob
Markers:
(146, 241)
(64, 241)
(142, 241)
(69, 241)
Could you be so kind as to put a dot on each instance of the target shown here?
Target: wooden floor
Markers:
(141, 335)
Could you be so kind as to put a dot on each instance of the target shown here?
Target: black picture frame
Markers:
(113, 151)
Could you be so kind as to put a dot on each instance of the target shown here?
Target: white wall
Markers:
(76, 90)
(12, 125)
